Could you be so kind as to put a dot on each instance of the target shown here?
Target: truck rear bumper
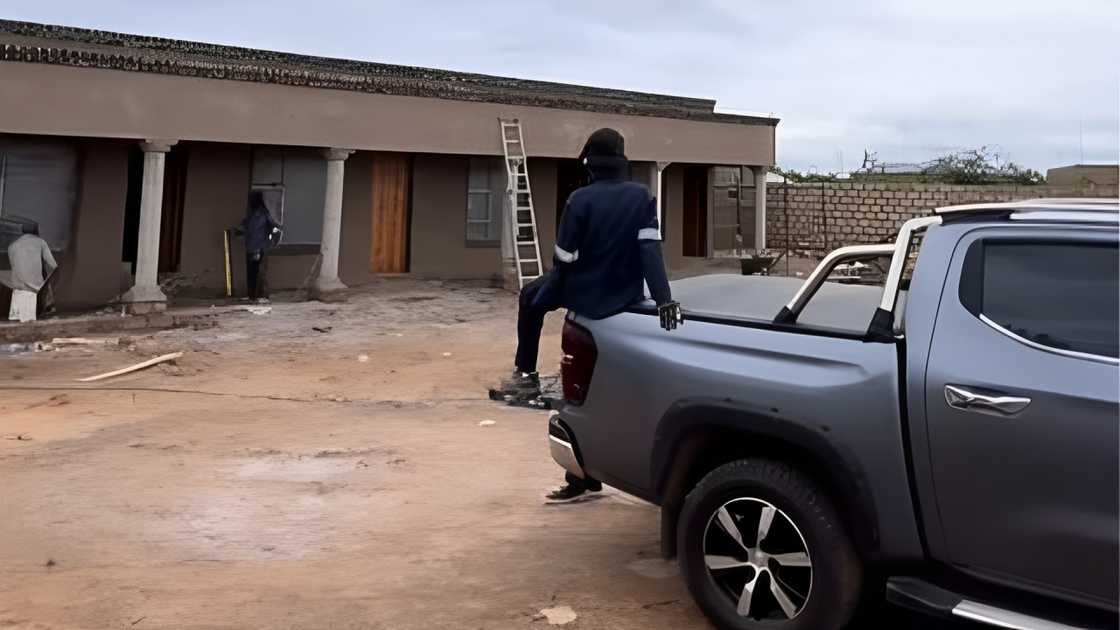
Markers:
(562, 445)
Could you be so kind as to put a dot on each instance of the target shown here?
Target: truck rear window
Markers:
(1063, 295)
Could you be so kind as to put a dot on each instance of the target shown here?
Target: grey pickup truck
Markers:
(947, 439)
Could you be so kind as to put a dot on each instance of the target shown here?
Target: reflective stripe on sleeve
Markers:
(649, 234)
(566, 256)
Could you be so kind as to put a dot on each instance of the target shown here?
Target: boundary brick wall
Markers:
(822, 217)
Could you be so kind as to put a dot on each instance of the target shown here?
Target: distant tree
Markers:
(980, 166)
(870, 162)
(969, 166)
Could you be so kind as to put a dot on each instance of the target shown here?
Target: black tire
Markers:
(836, 571)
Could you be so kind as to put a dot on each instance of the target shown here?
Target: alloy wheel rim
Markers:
(757, 557)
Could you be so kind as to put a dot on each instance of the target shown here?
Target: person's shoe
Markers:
(522, 384)
(567, 492)
(575, 488)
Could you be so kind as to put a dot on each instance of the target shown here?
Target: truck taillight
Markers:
(578, 362)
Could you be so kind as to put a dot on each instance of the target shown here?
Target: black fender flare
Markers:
(845, 476)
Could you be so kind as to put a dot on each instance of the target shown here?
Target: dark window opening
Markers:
(694, 230)
(570, 175)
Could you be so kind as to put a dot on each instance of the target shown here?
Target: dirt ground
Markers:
(281, 477)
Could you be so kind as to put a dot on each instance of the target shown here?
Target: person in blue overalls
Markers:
(608, 243)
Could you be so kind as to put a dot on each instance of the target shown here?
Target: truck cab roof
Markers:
(1088, 210)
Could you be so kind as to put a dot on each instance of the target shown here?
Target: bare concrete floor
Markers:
(280, 477)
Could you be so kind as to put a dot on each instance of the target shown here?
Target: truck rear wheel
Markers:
(760, 545)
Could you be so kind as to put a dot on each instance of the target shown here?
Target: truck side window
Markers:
(1060, 294)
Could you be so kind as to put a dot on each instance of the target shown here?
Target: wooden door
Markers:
(392, 179)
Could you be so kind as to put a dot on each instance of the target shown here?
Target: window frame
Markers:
(969, 289)
(743, 199)
(289, 188)
(59, 230)
(474, 242)
(495, 165)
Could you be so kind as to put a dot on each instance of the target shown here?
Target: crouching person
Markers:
(32, 265)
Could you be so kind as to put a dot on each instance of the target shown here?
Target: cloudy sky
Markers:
(911, 80)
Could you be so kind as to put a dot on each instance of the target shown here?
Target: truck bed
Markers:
(841, 307)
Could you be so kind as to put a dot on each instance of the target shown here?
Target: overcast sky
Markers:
(908, 79)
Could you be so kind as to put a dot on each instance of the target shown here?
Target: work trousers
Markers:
(254, 262)
(530, 322)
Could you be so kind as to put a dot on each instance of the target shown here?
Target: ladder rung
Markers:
(524, 225)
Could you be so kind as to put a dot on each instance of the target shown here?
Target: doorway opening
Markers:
(694, 231)
(570, 175)
(171, 213)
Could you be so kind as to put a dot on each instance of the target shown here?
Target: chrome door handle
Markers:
(961, 398)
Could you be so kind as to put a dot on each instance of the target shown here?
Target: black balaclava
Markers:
(256, 201)
(604, 155)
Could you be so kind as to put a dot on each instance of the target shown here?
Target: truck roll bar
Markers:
(852, 253)
(882, 323)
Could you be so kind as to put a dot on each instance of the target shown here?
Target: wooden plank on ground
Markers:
(132, 368)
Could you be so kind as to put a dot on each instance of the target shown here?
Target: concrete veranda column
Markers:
(327, 284)
(760, 206)
(145, 295)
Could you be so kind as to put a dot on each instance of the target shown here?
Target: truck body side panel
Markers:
(846, 390)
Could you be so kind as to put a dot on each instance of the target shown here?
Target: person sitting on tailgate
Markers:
(608, 243)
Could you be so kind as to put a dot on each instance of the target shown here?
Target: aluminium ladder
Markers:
(523, 219)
